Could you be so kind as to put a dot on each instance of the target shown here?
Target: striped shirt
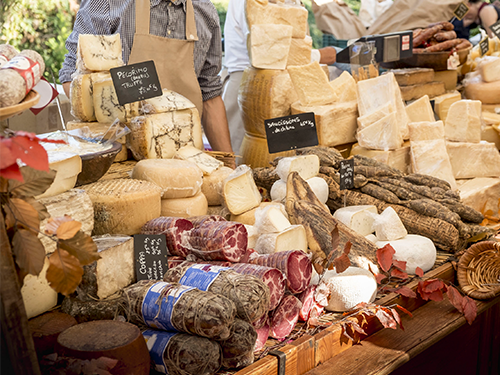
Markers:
(168, 19)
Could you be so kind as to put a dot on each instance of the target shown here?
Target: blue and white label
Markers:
(157, 342)
(201, 276)
(156, 312)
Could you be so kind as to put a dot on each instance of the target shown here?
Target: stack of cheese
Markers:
(474, 57)
(484, 84)
(417, 82)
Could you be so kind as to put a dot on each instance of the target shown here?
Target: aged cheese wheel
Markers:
(212, 186)
(46, 328)
(185, 207)
(109, 338)
(7, 52)
(255, 153)
(486, 92)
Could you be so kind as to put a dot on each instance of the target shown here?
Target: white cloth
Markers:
(235, 37)
(233, 111)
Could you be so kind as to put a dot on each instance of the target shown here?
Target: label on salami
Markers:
(201, 276)
(157, 342)
(158, 313)
(27, 68)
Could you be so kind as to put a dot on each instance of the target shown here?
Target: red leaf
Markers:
(419, 272)
(6, 157)
(398, 318)
(12, 173)
(399, 274)
(436, 295)
(405, 311)
(455, 298)
(384, 257)
(30, 152)
(379, 277)
(46, 140)
(432, 285)
(385, 319)
(29, 135)
(400, 264)
(407, 292)
(470, 309)
(341, 263)
(347, 247)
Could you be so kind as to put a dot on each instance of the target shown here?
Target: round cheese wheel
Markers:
(486, 92)
(212, 186)
(185, 207)
(255, 153)
(46, 328)
(177, 178)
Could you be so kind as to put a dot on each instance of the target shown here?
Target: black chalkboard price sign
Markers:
(291, 132)
(460, 11)
(136, 82)
(346, 174)
(484, 46)
(495, 28)
(150, 252)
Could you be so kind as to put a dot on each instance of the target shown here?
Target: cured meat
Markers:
(272, 277)
(447, 26)
(218, 240)
(199, 220)
(249, 255)
(293, 263)
(175, 261)
(285, 317)
(262, 335)
(174, 229)
(249, 293)
(445, 35)
(237, 350)
(307, 300)
(443, 46)
(426, 34)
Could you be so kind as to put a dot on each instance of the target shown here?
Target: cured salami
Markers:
(285, 317)
(174, 229)
(295, 265)
(218, 240)
(237, 350)
(199, 220)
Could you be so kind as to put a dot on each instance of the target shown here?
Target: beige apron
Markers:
(173, 57)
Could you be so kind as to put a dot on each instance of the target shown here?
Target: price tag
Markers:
(136, 82)
(495, 28)
(150, 252)
(291, 132)
(453, 61)
(484, 46)
(346, 174)
(460, 11)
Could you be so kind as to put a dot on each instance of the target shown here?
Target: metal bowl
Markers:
(96, 164)
(432, 60)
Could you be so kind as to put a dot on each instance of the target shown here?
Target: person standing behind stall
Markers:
(480, 14)
(181, 36)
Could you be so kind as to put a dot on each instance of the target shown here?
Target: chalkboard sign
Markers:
(484, 46)
(291, 132)
(495, 28)
(136, 82)
(346, 174)
(150, 256)
(460, 11)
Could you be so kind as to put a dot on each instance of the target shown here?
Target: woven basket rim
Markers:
(492, 248)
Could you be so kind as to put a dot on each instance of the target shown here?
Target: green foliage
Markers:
(40, 25)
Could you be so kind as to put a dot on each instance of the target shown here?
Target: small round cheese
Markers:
(185, 207)
(318, 185)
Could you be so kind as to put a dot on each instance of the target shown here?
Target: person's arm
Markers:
(328, 55)
(488, 17)
(215, 124)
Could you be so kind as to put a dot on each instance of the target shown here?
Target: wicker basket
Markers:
(479, 270)
(228, 158)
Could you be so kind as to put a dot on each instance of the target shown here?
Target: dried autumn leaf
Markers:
(407, 292)
(469, 309)
(35, 182)
(10, 220)
(68, 230)
(400, 264)
(380, 277)
(24, 214)
(345, 338)
(39, 207)
(399, 274)
(384, 257)
(385, 319)
(12, 173)
(6, 157)
(431, 285)
(82, 247)
(341, 263)
(405, 311)
(28, 251)
(397, 318)
(64, 272)
(455, 298)
(419, 272)
(335, 237)
(54, 222)
(356, 327)
(30, 152)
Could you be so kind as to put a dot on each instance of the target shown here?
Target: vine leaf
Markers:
(470, 309)
(82, 247)
(29, 251)
(432, 289)
(399, 274)
(384, 257)
(35, 182)
(64, 272)
(399, 264)
(24, 214)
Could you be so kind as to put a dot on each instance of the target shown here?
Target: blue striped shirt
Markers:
(100, 17)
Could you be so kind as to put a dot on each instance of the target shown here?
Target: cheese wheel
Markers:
(123, 206)
(212, 186)
(486, 92)
(185, 207)
(255, 152)
(176, 178)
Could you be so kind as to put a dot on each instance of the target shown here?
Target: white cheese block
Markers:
(300, 51)
(335, 123)
(240, 192)
(75, 203)
(443, 102)
(38, 296)
(345, 88)
(248, 217)
(491, 134)
(99, 52)
(463, 122)
(123, 206)
(68, 166)
(385, 134)
(388, 226)
(398, 158)
(426, 131)
(292, 238)
(205, 162)
(377, 115)
(269, 46)
(420, 110)
(415, 250)
(469, 160)
(81, 99)
(482, 194)
(489, 67)
(185, 207)
(176, 178)
(318, 185)
(212, 185)
(347, 289)
(170, 101)
(311, 84)
(307, 166)
(270, 219)
(160, 135)
(359, 218)
(106, 106)
(253, 235)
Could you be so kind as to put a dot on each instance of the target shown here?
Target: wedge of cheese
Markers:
(345, 87)
(99, 52)
(388, 226)
(81, 99)
(208, 164)
(482, 194)
(469, 160)
(168, 102)
(371, 118)
(463, 122)
(269, 46)
(311, 85)
(490, 68)
(292, 238)
(318, 185)
(106, 106)
(212, 185)
(384, 134)
(486, 92)
(68, 166)
(270, 219)
(300, 51)
(306, 165)
(359, 218)
(491, 134)
(443, 102)
(248, 217)
(420, 110)
(426, 130)
(240, 192)
(38, 296)
(398, 158)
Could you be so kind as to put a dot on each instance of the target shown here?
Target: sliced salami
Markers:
(285, 317)
(218, 240)
(294, 264)
(199, 220)
(174, 229)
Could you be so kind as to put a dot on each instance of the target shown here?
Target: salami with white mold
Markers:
(285, 317)
(174, 229)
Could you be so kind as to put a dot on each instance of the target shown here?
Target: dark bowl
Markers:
(432, 60)
(95, 165)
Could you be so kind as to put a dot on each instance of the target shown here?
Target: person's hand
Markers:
(328, 55)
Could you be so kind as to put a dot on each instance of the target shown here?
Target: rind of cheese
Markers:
(292, 238)
(270, 219)
(463, 122)
(168, 102)
(345, 88)
(413, 92)
(388, 226)
(99, 52)
(212, 185)
(306, 165)
(311, 84)
(385, 134)
(448, 77)
(490, 134)
(38, 296)
(486, 92)
(300, 51)
(248, 217)
(335, 123)
(176, 178)
(254, 151)
(68, 166)
(426, 131)
(398, 158)
(269, 46)
(185, 207)
(123, 206)
(359, 218)
(489, 67)
(208, 164)
(377, 115)
(106, 106)
(469, 160)
(420, 110)
(482, 194)
(318, 185)
(240, 192)
(81, 99)
(443, 102)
